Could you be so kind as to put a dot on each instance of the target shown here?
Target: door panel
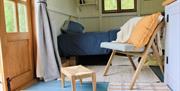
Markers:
(17, 51)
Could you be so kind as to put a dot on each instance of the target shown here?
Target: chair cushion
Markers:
(143, 30)
(124, 47)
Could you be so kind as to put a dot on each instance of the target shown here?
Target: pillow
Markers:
(72, 27)
(144, 29)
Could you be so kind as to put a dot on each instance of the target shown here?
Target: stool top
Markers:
(76, 71)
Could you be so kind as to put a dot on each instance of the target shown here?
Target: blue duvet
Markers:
(88, 43)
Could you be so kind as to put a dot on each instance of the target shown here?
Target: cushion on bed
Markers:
(72, 27)
(119, 46)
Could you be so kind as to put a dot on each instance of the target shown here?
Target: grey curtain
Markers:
(48, 61)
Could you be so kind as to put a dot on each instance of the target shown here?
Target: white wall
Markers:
(59, 11)
(65, 6)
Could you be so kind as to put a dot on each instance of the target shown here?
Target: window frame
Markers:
(119, 10)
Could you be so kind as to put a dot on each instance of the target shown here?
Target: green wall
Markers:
(93, 20)
(150, 6)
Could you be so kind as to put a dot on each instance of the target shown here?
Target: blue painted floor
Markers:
(56, 86)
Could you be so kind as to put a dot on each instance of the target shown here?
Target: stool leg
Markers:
(94, 81)
(73, 83)
(62, 80)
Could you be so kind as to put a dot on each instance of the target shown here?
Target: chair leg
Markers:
(138, 70)
(73, 83)
(131, 60)
(109, 62)
(62, 80)
(94, 81)
(156, 54)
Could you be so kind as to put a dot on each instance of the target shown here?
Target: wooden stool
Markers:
(77, 72)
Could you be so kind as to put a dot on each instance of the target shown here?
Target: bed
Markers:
(79, 44)
(74, 42)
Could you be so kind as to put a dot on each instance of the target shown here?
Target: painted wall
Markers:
(104, 23)
(150, 6)
(59, 11)
(110, 22)
(90, 15)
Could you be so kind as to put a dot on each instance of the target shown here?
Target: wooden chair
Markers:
(77, 72)
(142, 54)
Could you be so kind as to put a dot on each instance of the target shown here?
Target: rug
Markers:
(138, 87)
(122, 71)
(56, 86)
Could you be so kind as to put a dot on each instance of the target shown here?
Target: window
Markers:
(16, 16)
(118, 6)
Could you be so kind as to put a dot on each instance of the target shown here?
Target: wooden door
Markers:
(16, 43)
(172, 66)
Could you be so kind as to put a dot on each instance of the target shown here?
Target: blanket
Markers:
(126, 29)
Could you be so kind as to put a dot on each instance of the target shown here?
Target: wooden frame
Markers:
(143, 56)
(119, 10)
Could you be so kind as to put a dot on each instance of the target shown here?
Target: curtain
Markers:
(48, 61)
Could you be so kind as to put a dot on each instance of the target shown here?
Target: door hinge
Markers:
(9, 84)
(167, 18)
(167, 60)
